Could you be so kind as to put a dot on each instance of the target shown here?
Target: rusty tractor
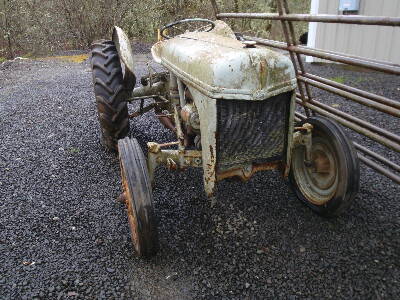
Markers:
(231, 104)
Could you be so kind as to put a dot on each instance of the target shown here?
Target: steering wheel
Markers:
(191, 25)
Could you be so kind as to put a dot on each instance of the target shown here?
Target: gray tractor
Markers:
(231, 104)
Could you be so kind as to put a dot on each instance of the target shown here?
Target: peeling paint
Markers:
(221, 68)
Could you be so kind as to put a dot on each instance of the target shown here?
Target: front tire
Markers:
(138, 198)
(110, 93)
(331, 183)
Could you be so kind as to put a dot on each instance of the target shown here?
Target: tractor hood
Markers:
(221, 67)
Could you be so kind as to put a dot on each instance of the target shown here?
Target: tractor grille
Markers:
(252, 131)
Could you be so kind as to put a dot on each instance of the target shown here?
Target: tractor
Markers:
(231, 104)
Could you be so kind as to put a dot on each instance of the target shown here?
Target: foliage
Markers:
(43, 26)
(338, 79)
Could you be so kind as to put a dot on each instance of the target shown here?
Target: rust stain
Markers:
(245, 176)
(212, 154)
(122, 198)
(263, 73)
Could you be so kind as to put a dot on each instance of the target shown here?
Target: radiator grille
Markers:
(252, 131)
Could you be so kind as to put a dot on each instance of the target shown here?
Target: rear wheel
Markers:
(331, 183)
(110, 93)
(138, 197)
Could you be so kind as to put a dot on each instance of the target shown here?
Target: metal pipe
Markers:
(371, 96)
(166, 122)
(173, 89)
(178, 126)
(353, 56)
(142, 110)
(148, 90)
(181, 93)
(378, 106)
(365, 124)
(382, 67)
(294, 42)
(376, 137)
(141, 98)
(379, 168)
(375, 61)
(300, 116)
(377, 157)
(323, 18)
(292, 56)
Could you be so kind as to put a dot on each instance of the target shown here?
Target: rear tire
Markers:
(138, 198)
(110, 93)
(330, 185)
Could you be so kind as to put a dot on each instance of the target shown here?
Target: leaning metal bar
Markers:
(368, 133)
(299, 116)
(378, 106)
(378, 157)
(294, 42)
(379, 168)
(361, 20)
(381, 62)
(283, 46)
(387, 68)
(391, 136)
(370, 96)
(295, 57)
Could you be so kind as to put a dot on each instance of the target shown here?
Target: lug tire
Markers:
(138, 198)
(110, 93)
(339, 181)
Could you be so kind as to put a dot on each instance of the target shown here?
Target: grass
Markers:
(70, 58)
(74, 150)
(28, 55)
(338, 79)
(360, 79)
(2, 59)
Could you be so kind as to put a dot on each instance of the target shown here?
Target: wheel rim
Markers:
(319, 182)
(132, 220)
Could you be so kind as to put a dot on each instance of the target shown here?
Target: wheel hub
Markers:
(322, 171)
(319, 180)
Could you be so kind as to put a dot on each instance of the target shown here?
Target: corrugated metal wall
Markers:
(376, 42)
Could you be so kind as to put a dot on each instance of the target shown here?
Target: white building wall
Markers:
(375, 42)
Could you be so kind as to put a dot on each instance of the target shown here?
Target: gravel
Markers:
(63, 235)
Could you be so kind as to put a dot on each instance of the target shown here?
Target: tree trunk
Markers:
(7, 28)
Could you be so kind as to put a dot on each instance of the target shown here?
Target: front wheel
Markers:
(138, 197)
(330, 183)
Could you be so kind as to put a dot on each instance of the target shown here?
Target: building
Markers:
(375, 42)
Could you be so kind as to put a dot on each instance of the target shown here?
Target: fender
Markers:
(125, 53)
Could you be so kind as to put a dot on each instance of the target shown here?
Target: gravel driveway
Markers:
(64, 236)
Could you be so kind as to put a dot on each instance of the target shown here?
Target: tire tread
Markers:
(134, 162)
(110, 93)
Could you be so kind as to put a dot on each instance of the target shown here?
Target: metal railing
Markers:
(305, 80)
